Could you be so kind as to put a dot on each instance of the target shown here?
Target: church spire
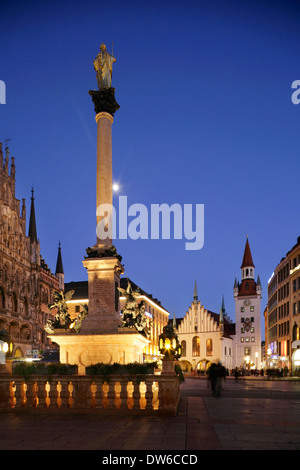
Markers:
(222, 311)
(59, 271)
(32, 233)
(195, 293)
(59, 264)
(247, 264)
(247, 259)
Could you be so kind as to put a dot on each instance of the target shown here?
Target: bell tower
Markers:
(247, 296)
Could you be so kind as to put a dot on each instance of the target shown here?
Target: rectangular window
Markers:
(247, 351)
(252, 308)
(242, 309)
(252, 339)
(252, 319)
(242, 320)
(247, 339)
(252, 330)
(242, 330)
(294, 285)
(294, 308)
(242, 339)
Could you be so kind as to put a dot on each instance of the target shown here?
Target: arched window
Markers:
(196, 346)
(209, 347)
(183, 348)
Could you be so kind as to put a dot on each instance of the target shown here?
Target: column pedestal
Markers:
(103, 282)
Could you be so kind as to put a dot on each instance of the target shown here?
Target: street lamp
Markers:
(169, 345)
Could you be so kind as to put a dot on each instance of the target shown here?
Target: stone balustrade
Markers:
(149, 394)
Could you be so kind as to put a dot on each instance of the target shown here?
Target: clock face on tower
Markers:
(247, 302)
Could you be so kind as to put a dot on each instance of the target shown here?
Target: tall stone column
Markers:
(103, 263)
(105, 106)
(104, 172)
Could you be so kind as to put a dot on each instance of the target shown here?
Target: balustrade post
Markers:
(53, 393)
(111, 394)
(80, 393)
(64, 393)
(30, 394)
(98, 393)
(136, 394)
(41, 393)
(123, 393)
(149, 394)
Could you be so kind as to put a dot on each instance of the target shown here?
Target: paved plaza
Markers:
(251, 414)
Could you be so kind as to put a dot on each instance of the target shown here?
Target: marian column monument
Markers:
(102, 335)
(103, 262)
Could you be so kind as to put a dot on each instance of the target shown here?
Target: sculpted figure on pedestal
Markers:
(103, 66)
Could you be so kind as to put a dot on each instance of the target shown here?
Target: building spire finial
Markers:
(59, 264)
(195, 293)
(32, 232)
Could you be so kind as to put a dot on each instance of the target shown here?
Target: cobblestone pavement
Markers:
(252, 414)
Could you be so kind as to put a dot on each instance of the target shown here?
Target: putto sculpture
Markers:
(103, 65)
(62, 318)
(134, 312)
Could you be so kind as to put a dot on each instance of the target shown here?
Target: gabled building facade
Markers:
(206, 337)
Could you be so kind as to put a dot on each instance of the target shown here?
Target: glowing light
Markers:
(115, 187)
(5, 347)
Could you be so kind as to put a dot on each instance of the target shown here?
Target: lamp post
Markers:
(170, 348)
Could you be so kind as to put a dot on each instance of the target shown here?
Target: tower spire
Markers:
(59, 264)
(195, 293)
(222, 311)
(59, 271)
(247, 259)
(32, 233)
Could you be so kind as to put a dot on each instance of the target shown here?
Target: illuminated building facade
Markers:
(247, 296)
(26, 282)
(205, 337)
(282, 315)
(158, 316)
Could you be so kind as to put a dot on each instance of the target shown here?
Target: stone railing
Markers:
(149, 394)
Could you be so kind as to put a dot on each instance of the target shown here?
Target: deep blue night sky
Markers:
(205, 117)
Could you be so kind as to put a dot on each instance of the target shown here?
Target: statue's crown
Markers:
(103, 47)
